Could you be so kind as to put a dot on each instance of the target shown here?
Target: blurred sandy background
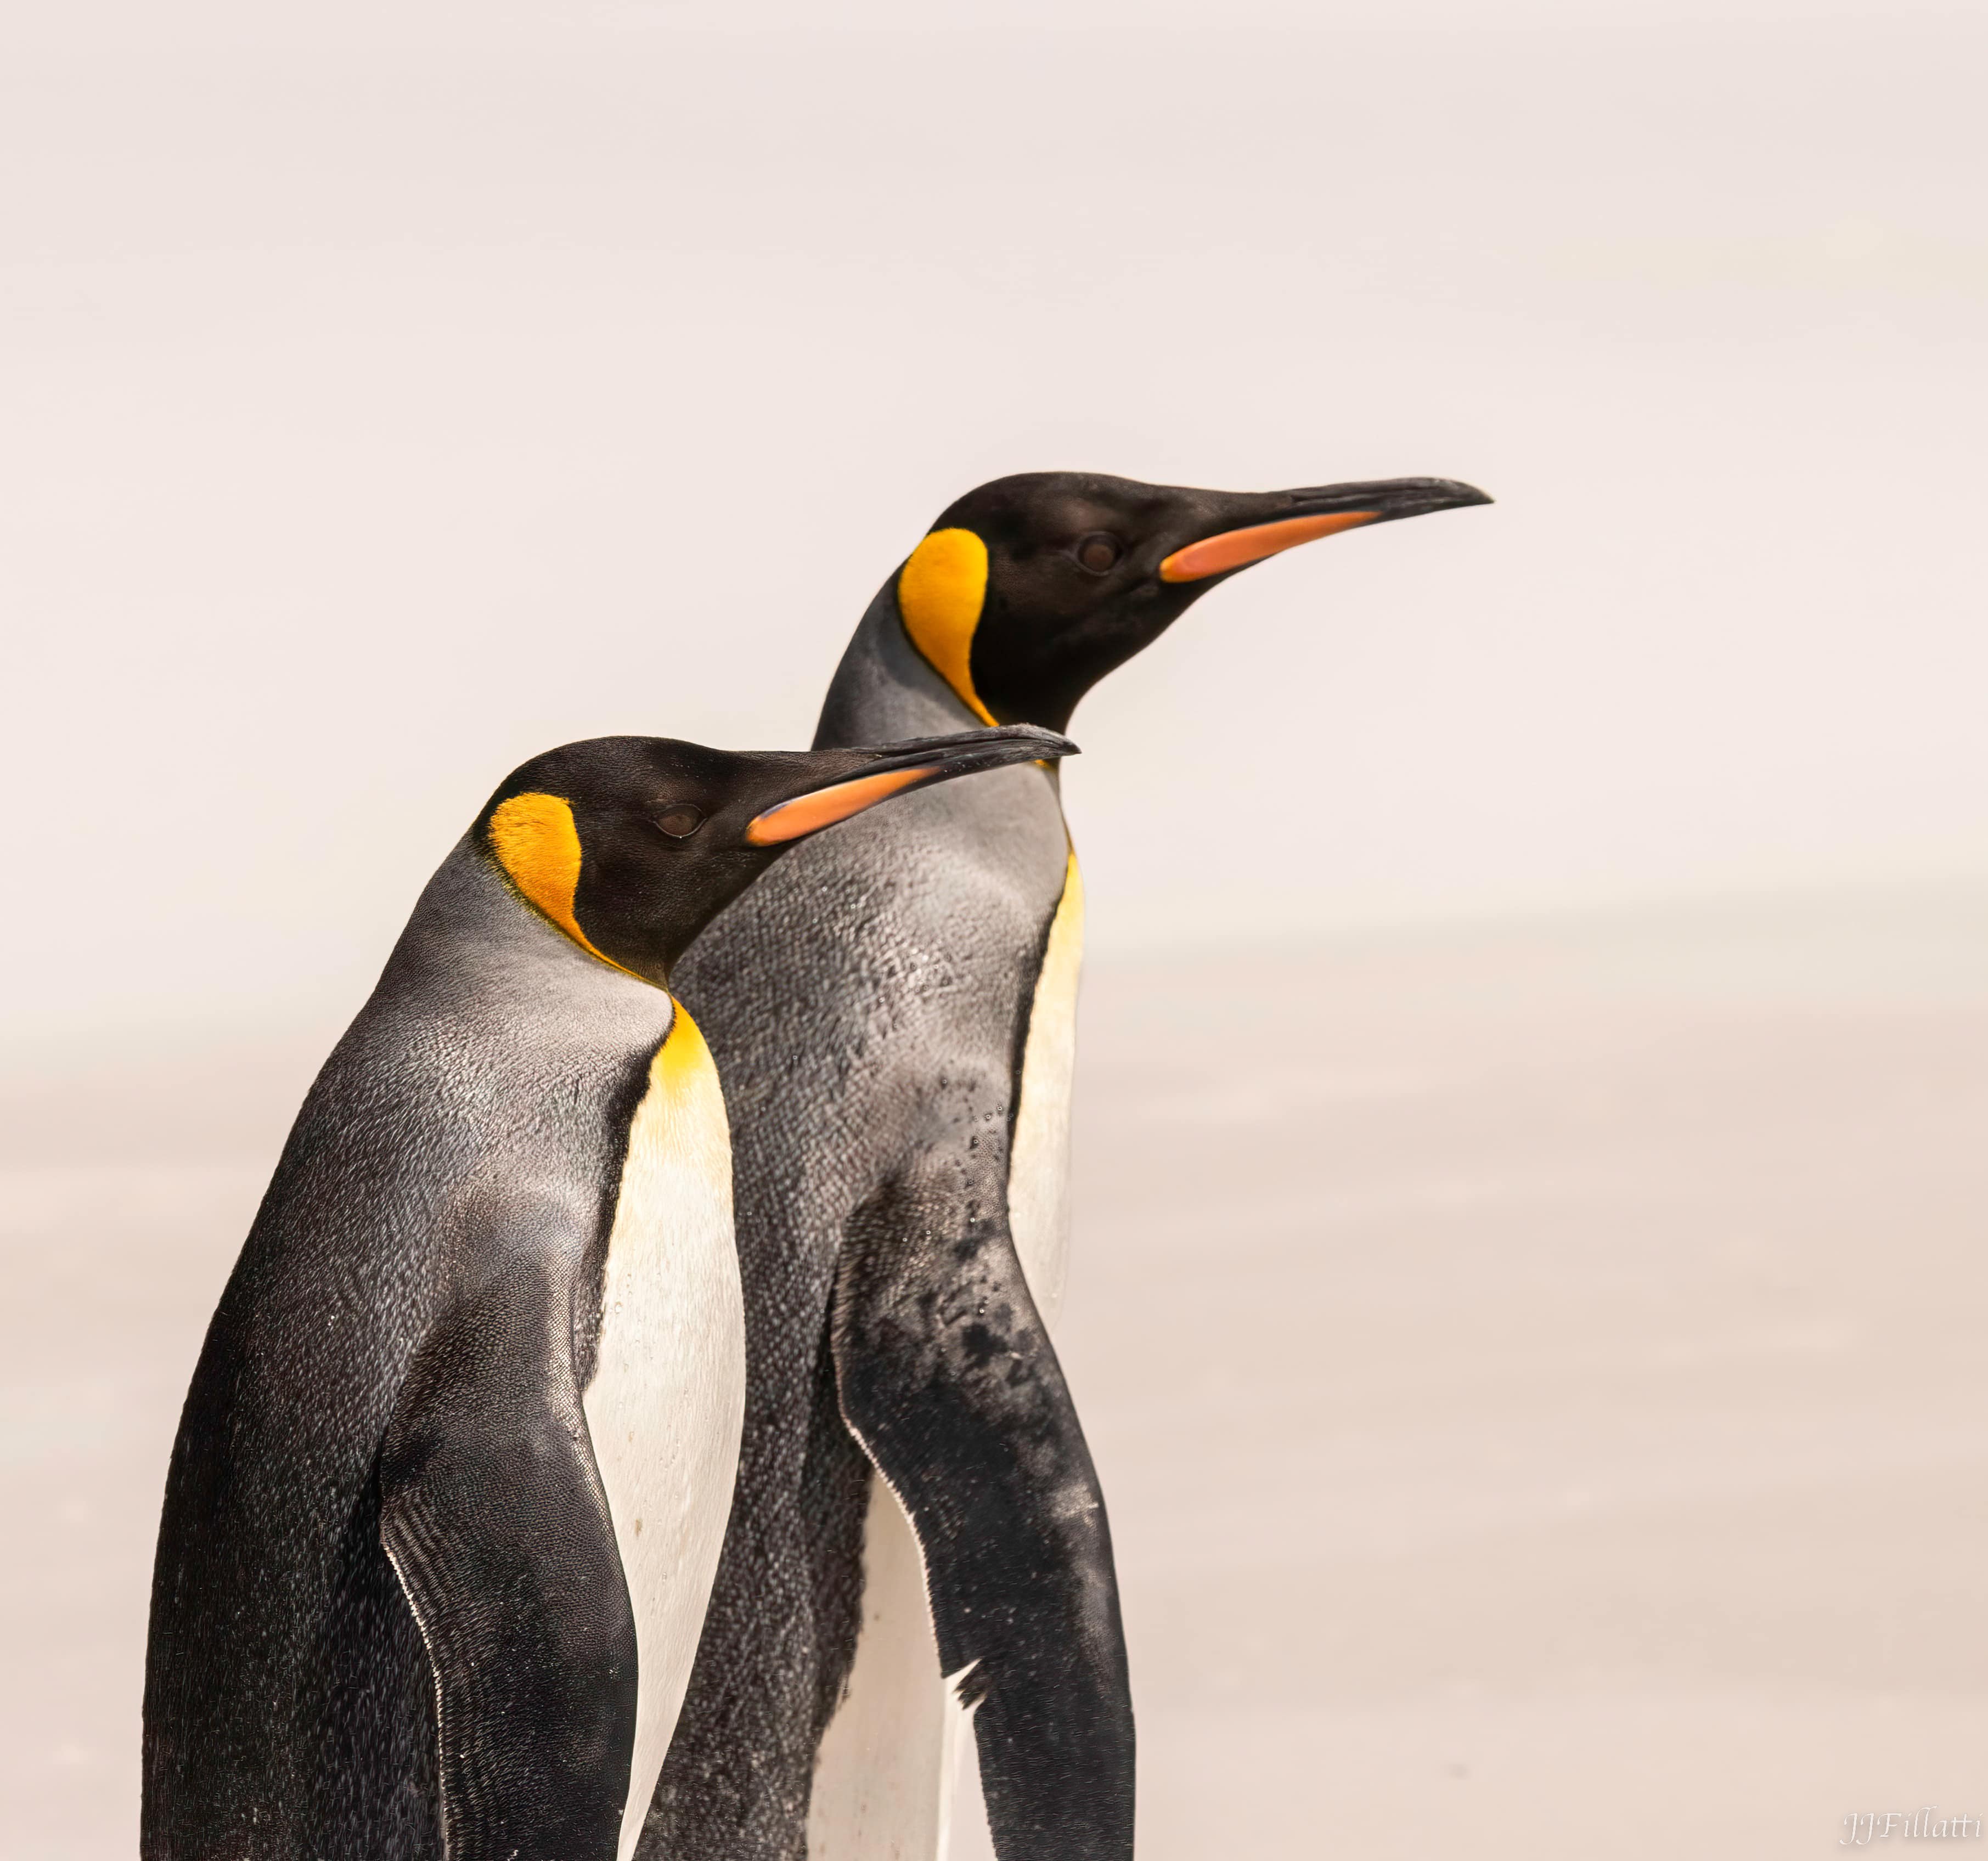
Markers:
(1529, 1291)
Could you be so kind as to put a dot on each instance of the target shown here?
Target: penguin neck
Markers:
(884, 691)
(471, 941)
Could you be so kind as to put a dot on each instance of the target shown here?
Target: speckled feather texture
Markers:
(480, 1371)
(423, 1271)
(867, 1003)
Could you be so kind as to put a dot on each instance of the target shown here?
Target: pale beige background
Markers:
(1528, 1297)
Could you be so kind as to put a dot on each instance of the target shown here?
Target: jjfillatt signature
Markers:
(1926, 1824)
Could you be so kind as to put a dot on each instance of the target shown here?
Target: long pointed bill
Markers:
(916, 765)
(1347, 507)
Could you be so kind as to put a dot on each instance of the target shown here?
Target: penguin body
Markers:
(902, 1048)
(290, 1699)
(919, 1534)
(454, 1472)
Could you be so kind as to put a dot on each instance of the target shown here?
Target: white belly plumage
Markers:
(668, 1401)
(884, 1782)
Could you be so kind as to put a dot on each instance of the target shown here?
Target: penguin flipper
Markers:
(947, 1377)
(493, 1515)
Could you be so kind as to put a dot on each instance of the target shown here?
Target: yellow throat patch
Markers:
(538, 847)
(941, 591)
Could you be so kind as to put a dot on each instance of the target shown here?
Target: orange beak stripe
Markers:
(807, 813)
(1238, 548)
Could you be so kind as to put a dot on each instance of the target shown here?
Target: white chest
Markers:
(667, 1402)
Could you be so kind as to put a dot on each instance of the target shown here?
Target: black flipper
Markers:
(947, 1376)
(492, 1511)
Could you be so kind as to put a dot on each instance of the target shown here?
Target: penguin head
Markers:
(1029, 590)
(631, 844)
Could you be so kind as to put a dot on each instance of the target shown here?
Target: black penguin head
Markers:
(1029, 590)
(632, 845)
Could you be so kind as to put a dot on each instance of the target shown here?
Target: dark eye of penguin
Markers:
(1098, 553)
(680, 820)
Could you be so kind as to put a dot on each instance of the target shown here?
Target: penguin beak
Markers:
(1288, 518)
(903, 766)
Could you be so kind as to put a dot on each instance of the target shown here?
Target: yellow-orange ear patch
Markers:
(538, 847)
(941, 592)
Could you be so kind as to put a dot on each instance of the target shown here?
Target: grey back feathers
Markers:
(865, 1004)
(290, 1704)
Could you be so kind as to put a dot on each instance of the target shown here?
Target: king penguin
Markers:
(918, 1532)
(451, 1479)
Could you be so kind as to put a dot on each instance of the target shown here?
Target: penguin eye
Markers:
(1098, 552)
(680, 820)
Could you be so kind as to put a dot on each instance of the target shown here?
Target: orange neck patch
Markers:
(538, 847)
(941, 592)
